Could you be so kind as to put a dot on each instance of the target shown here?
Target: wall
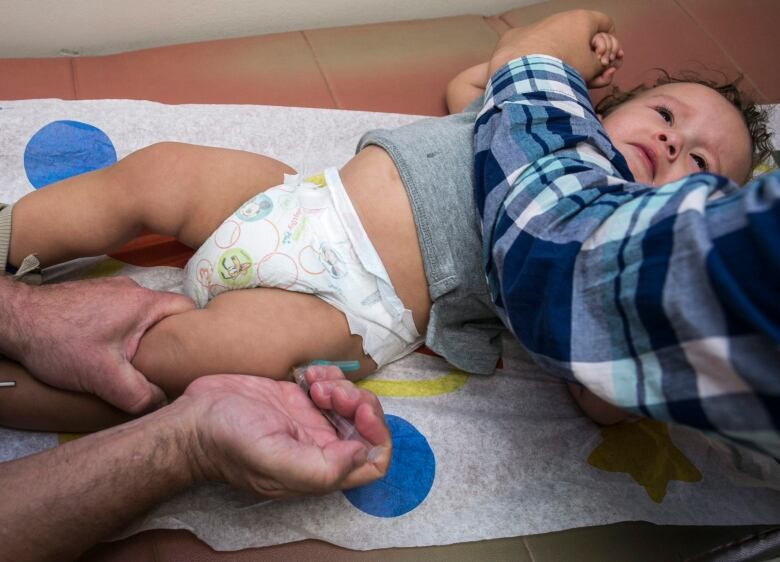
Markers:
(38, 28)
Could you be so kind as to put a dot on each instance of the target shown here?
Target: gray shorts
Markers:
(435, 158)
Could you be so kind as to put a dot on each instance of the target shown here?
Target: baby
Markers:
(360, 264)
(664, 132)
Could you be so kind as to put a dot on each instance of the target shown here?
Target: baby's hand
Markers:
(607, 49)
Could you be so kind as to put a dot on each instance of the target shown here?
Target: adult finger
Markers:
(317, 470)
(365, 411)
(371, 425)
(164, 304)
(343, 397)
(316, 373)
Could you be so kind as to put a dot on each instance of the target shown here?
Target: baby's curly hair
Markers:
(755, 118)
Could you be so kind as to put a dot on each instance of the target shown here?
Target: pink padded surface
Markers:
(36, 78)
(272, 70)
(747, 33)
(650, 33)
(399, 67)
(403, 66)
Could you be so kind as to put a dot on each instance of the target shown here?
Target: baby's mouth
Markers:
(648, 158)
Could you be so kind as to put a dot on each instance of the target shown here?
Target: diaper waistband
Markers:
(330, 182)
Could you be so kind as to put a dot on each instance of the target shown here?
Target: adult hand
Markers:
(82, 335)
(566, 36)
(268, 437)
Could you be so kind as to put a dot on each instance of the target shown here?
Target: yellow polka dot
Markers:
(450, 382)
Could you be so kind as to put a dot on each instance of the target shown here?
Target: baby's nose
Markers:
(671, 143)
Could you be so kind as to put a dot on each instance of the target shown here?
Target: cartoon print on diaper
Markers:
(372, 299)
(332, 260)
(286, 202)
(296, 228)
(257, 208)
(204, 272)
(317, 179)
(234, 267)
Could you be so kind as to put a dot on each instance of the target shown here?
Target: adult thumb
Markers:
(159, 305)
(130, 391)
(165, 304)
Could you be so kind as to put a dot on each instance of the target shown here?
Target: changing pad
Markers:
(475, 457)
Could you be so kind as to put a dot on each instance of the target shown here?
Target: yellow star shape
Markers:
(644, 450)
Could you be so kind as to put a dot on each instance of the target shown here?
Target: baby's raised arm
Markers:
(466, 87)
(603, 48)
(584, 39)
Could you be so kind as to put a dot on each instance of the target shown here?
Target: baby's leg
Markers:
(258, 331)
(175, 189)
(253, 331)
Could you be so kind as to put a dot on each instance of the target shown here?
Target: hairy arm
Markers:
(58, 503)
(256, 434)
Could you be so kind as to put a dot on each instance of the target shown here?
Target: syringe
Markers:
(344, 428)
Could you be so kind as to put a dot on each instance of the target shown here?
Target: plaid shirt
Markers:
(663, 301)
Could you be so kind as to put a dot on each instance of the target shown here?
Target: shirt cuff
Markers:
(534, 74)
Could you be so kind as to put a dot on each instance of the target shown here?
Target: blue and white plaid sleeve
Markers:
(663, 301)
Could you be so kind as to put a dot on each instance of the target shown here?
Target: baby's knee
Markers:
(152, 159)
(154, 182)
(145, 172)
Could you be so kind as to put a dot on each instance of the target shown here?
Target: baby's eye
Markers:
(665, 113)
(700, 162)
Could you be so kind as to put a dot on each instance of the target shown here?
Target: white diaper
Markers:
(305, 236)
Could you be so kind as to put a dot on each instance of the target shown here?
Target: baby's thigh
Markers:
(187, 190)
(258, 331)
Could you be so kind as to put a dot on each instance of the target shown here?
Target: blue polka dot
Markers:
(63, 149)
(409, 477)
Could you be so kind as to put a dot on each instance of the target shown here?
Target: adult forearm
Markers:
(12, 331)
(58, 503)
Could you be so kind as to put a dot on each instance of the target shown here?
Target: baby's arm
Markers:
(471, 83)
(569, 36)
(466, 87)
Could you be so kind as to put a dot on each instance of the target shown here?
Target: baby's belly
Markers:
(379, 197)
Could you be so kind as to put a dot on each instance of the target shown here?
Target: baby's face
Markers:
(674, 130)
